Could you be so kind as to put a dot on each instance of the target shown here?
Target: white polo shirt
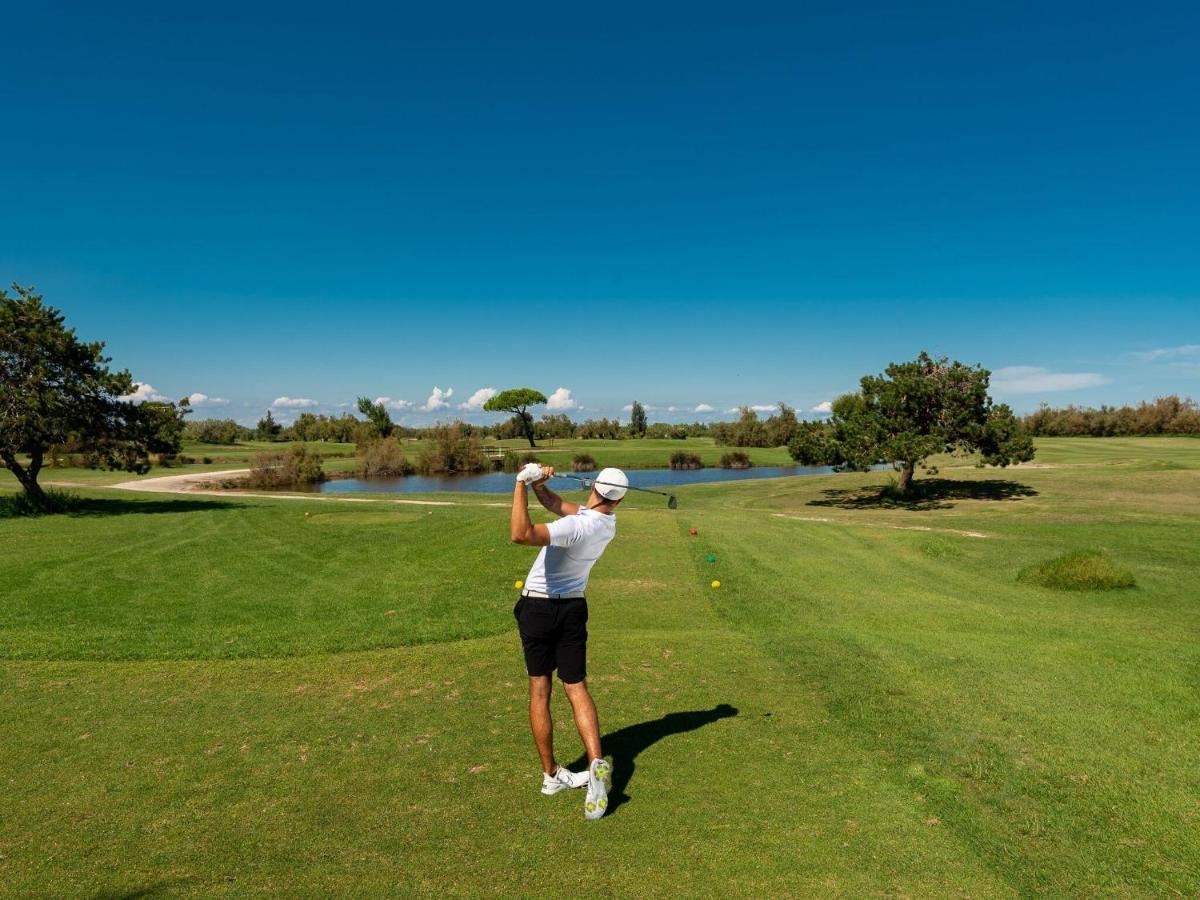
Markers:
(576, 542)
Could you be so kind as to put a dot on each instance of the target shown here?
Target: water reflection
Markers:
(502, 482)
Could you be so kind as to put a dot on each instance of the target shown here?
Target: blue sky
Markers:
(682, 203)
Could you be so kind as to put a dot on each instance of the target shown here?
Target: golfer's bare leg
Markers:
(539, 720)
(586, 719)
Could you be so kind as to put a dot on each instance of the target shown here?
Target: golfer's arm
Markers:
(553, 502)
(523, 530)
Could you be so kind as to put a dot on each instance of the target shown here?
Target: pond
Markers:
(502, 482)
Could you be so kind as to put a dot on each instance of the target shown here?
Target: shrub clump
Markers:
(17, 505)
(1081, 570)
(384, 459)
(682, 459)
(735, 460)
(293, 467)
(513, 462)
(452, 450)
(583, 462)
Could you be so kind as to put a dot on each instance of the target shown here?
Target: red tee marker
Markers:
(693, 531)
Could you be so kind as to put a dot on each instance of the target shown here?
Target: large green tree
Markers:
(912, 411)
(56, 390)
(517, 401)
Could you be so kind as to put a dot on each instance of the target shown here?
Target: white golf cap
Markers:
(611, 484)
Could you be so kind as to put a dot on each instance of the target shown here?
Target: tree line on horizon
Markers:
(749, 430)
(1162, 415)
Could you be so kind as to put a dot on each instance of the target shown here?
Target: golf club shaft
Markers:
(588, 481)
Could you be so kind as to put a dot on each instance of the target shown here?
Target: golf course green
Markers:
(232, 696)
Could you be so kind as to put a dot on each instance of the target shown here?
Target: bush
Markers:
(513, 462)
(1082, 570)
(13, 506)
(735, 460)
(682, 459)
(452, 450)
(583, 462)
(384, 459)
(291, 468)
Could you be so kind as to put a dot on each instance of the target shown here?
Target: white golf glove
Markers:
(530, 473)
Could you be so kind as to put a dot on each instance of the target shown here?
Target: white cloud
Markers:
(672, 409)
(143, 392)
(1033, 380)
(477, 399)
(703, 407)
(394, 404)
(1182, 351)
(438, 399)
(765, 407)
(561, 399)
(198, 399)
(292, 402)
(825, 406)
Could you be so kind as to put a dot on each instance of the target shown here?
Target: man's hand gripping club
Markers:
(523, 531)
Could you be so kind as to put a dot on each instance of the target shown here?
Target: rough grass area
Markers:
(1081, 570)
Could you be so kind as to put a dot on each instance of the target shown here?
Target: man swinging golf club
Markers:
(552, 617)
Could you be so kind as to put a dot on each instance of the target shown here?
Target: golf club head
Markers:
(672, 503)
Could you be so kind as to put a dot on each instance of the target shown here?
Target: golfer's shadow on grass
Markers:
(626, 743)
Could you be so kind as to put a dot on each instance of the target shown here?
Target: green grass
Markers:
(212, 697)
(1079, 570)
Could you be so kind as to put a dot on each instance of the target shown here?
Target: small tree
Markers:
(267, 429)
(377, 416)
(452, 450)
(162, 427)
(749, 431)
(637, 420)
(517, 401)
(305, 428)
(56, 390)
(782, 427)
(912, 411)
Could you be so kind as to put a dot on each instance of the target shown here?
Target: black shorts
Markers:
(554, 635)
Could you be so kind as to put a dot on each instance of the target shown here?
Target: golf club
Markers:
(672, 503)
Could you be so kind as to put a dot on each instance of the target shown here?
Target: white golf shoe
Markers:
(599, 776)
(563, 780)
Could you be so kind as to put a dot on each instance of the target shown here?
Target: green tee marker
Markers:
(711, 558)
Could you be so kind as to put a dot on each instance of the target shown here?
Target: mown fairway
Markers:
(210, 696)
